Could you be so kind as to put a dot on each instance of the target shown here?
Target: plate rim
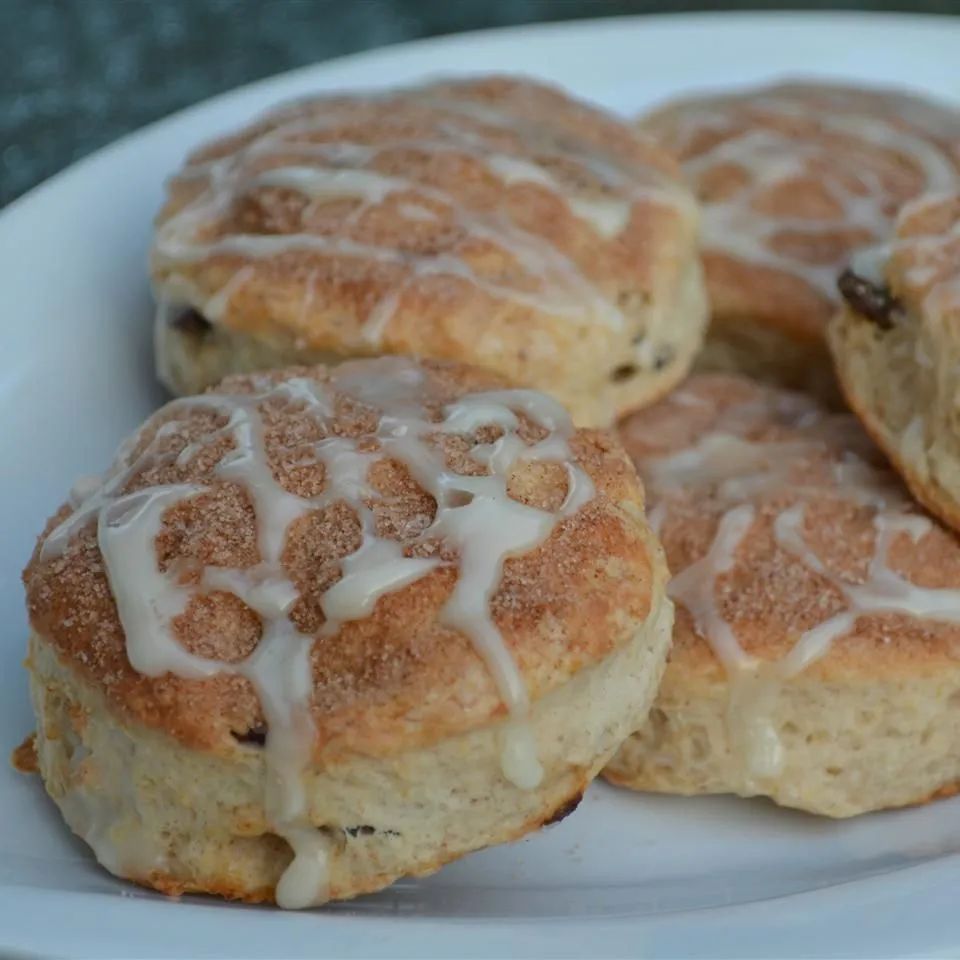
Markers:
(738, 19)
(577, 932)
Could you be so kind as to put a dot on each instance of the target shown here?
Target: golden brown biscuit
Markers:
(896, 343)
(316, 630)
(815, 656)
(792, 179)
(490, 221)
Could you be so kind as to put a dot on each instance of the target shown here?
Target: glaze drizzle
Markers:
(741, 478)
(475, 518)
(292, 154)
(854, 146)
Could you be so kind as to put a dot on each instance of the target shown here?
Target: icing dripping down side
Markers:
(695, 587)
(743, 477)
(475, 518)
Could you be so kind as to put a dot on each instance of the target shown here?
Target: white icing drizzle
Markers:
(735, 471)
(474, 516)
(739, 468)
(564, 290)
(941, 278)
(559, 288)
(417, 212)
(869, 263)
(214, 307)
(884, 590)
(734, 224)
(607, 215)
(695, 587)
(325, 184)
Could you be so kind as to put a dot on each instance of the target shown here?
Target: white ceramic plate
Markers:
(627, 874)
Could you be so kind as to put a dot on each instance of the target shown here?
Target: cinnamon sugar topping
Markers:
(358, 163)
(795, 177)
(349, 426)
(784, 534)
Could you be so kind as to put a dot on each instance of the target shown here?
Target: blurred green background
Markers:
(76, 74)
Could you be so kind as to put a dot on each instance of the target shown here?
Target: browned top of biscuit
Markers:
(397, 677)
(724, 449)
(482, 220)
(795, 177)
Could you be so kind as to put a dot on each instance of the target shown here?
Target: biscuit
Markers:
(815, 657)
(792, 178)
(491, 221)
(897, 350)
(319, 629)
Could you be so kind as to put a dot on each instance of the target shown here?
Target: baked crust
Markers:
(321, 628)
(896, 345)
(823, 530)
(397, 678)
(794, 178)
(492, 221)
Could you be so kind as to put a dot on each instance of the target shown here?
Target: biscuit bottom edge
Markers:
(184, 821)
(849, 747)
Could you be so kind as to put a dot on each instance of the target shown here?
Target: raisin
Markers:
(191, 322)
(256, 736)
(870, 300)
(625, 372)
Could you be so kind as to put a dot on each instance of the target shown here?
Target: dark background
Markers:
(76, 74)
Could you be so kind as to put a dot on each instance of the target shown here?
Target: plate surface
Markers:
(625, 875)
